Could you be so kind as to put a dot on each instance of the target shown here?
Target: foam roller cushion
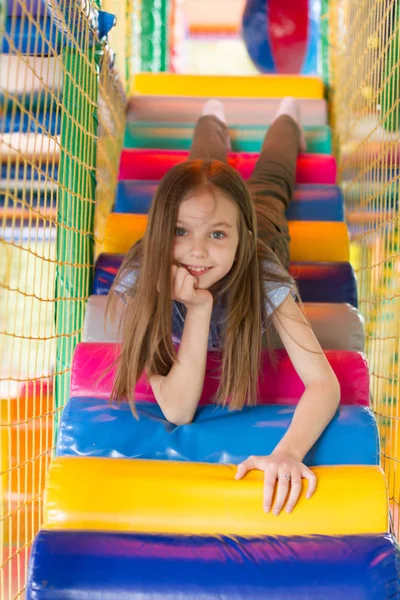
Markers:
(337, 326)
(309, 203)
(92, 376)
(178, 136)
(153, 164)
(89, 427)
(238, 111)
(199, 498)
(317, 282)
(77, 565)
(253, 86)
(309, 240)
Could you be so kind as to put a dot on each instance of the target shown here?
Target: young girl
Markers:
(210, 274)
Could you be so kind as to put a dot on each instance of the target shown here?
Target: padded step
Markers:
(153, 165)
(243, 86)
(13, 176)
(39, 36)
(91, 376)
(238, 111)
(91, 427)
(178, 136)
(22, 122)
(33, 74)
(17, 203)
(337, 326)
(133, 566)
(310, 202)
(154, 496)
(318, 282)
(325, 241)
(34, 147)
(325, 281)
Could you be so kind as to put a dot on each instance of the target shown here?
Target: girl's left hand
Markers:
(284, 470)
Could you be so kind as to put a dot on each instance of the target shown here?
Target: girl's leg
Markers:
(272, 182)
(211, 135)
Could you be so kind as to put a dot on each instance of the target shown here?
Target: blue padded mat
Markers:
(311, 202)
(326, 282)
(91, 427)
(41, 172)
(34, 7)
(46, 36)
(37, 37)
(32, 101)
(34, 198)
(80, 565)
(317, 282)
(49, 124)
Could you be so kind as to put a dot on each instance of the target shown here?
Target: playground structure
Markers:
(78, 174)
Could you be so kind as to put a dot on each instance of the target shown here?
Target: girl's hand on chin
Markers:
(185, 290)
(282, 476)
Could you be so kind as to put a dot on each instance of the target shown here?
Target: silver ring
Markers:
(287, 475)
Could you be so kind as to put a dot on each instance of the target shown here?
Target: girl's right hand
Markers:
(185, 290)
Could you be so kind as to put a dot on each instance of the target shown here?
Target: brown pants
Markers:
(272, 181)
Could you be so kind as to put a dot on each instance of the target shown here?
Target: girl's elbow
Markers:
(181, 420)
(333, 389)
(328, 386)
(336, 395)
(331, 384)
(178, 419)
(174, 415)
(334, 385)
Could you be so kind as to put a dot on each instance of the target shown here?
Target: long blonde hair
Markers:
(146, 344)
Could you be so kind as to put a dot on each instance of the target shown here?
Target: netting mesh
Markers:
(61, 130)
(364, 71)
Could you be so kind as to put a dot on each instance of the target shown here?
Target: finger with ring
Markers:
(281, 492)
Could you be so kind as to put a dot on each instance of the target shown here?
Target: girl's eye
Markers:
(179, 231)
(216, 235)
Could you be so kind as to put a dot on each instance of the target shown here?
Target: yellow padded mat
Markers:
(310, 240)
(178, 497)
(243, 86)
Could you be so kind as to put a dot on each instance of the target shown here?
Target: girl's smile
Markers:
(196, 271)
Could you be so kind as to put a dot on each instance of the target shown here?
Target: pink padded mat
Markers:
(90, 377)
(153, 164)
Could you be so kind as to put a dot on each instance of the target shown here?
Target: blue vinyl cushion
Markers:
(22, 197)
(35, 37)
(80, 565)
(92, 427)
(317, 282)
(46, 35)
(21, 122)
(26, 172)
(311, 202)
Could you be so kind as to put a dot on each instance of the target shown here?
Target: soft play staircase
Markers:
(150, 510)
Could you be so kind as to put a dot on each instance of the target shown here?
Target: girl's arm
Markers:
(314, 411)
(178, 393)
(321, 396)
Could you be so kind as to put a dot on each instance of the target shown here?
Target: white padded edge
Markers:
(33, 73)
(337, 326)
(29, 146)
(238, 111)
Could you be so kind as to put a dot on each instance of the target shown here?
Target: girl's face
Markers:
(206, 236)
